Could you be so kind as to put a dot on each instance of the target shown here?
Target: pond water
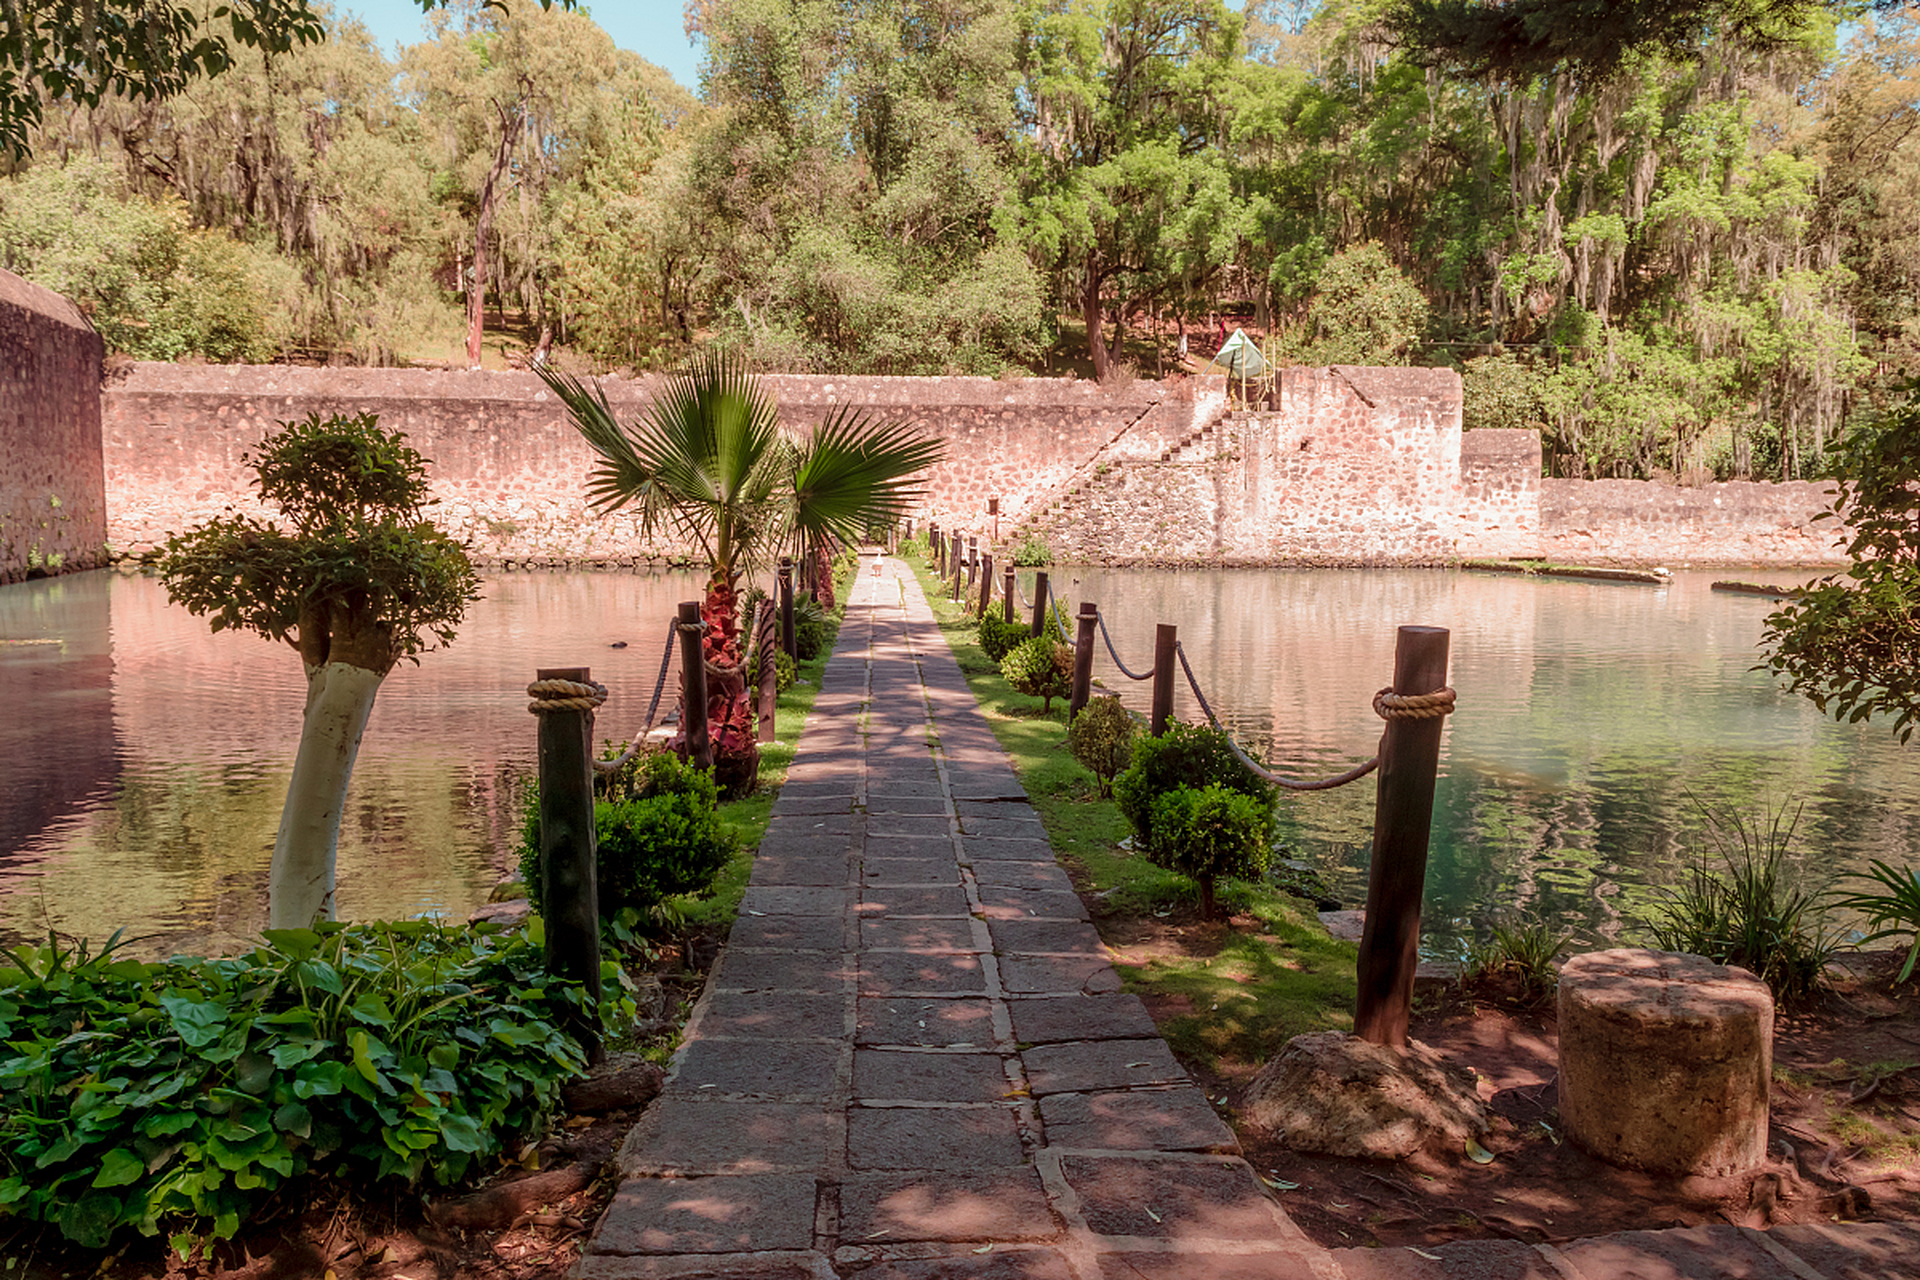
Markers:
(146, 759)
(1603, 730)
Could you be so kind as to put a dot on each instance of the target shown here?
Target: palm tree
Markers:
(710, 459)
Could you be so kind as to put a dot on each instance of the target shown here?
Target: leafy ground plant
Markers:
(1890, 912)
(177, 1097)
(1101, 738)
(1526, 953)
(1753, 913)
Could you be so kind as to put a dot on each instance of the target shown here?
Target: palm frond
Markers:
(621, 475)
(855, 471)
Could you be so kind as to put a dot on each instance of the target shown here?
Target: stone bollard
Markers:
(1665, 1060)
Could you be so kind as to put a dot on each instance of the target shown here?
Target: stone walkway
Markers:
(914, 1061)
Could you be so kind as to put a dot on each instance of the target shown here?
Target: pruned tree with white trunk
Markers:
(352, 575)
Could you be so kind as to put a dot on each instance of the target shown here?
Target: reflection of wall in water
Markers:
(55, 668)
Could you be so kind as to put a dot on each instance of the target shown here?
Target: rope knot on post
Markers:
(565, 695)
(1389, 705)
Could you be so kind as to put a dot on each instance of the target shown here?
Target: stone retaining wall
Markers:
(53, 509)
(1355, 466)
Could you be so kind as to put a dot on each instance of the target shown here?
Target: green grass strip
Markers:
(1259, 986)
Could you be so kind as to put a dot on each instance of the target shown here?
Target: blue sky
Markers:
(654, 29)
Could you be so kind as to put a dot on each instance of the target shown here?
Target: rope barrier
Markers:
(1112, 653)
(565, 695)
(1387, 704)
(653, 706)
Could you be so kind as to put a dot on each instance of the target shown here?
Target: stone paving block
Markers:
(686, 1137)
(774, 1015)
(897, 846)
(1093, 1066)
(1302, 1262)
(901, 1075)
(824, 827)
(1028, 975)
(912, 902)
(824, 972)
(906, 804)
(917, 1020)
(886, 787)
(775, 869)
(1006, 902)
(794, 1070)
(1050, 1019)
(883, 827)
(792, 806)
(709, 1215)
(1462, 1260)
(1046, 937)
(990, 808)
(908, 933)
(1194, 1200)
(1178, 1119)
(983, 848)
(782, 1265)
(796, 900)
(1004, 828)
(916, 871)
(893, 973)
(961, 1139)
(1009, 1264)
(790, 933)
(1005, 1204)
(1855, 1250)
(999, 784)
(1034, 877)
(786, 841)
(1723, 1253)
(814, 787)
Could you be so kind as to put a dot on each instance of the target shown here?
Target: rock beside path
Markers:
(1339, 1095)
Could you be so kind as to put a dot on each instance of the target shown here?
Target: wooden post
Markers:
(1083, 659)
(973, 562)
(937, 548)
(1402, 819)
(768, 695)
(787, 641)
(993, 509)
(1039, 603)
(693, 686)
(959, 591)
(568, 885)
(1006, 594)
(1164, 637)
(986, 583)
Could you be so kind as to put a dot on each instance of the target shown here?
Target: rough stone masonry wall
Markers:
(1499, 510)
(1357, 466)
(53, 510)
(1639, 522)
(510, 472)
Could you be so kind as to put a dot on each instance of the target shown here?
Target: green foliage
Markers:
(1500, 392)
(181, 1097)
(998, 637)
(813, 628)
(1192, 756)
(1032, 553)
(1891, 910)
(1526, 953)
(1851, 643)
(1750, 913)
(1040, 667)
(1101, 738)
(1209, 832)
(657, 833)
(1363, 310)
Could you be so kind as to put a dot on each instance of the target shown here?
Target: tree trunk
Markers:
(300, 885)
(1091, 312)
(477, 290)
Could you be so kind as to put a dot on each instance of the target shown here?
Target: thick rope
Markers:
(1111, 653)
(565, 695)
(1387, 704)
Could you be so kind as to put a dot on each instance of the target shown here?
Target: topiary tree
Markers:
(1184, 756)
(1101, 738)
(356, 581)
(1040, 667)
(1208, 832)
(998, 637)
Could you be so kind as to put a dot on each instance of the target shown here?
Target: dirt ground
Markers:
(1845, 1130)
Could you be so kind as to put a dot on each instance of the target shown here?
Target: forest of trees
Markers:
(1691, 255)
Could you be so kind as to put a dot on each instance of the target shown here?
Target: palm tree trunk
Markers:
(300, 883)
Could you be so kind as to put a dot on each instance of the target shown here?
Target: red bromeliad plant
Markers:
(711, 458)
